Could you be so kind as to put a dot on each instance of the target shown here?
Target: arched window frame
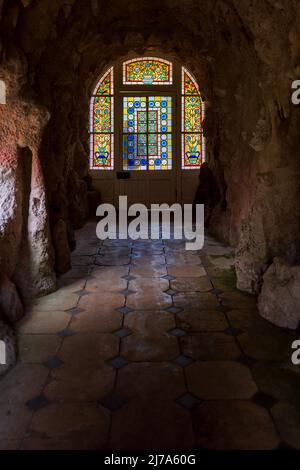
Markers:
(120, 89)
(102, 133)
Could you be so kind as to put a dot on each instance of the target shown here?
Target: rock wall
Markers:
(279, 299)
(244, 55)
(25, 244)
(258, 135)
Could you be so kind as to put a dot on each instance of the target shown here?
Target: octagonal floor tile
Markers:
(234, 425)
(151, 425)
(148, 379)
(220, 380)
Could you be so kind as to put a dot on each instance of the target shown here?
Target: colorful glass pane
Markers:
(135, 114)
(193, 150)
(135, 152)
(160, 151)
(103, 116)
(147, 123)
(160, 113)
(147, 71)
(105, 86)
(102, 155)
(191, 114)
(189, 86)
(102, 124)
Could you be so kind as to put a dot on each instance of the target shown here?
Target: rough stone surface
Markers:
(10, 304)
(279, 300)
(25, 246)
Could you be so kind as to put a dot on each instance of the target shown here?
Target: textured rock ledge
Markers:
(279, 301)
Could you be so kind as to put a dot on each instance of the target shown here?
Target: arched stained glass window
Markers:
(148, 135)
(147, 71)
(192, 115)
(102, 124)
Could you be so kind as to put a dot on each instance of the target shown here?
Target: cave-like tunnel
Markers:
(140, 344)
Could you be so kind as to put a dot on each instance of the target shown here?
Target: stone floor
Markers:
(148, 346)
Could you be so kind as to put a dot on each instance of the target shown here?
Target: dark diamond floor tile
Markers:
(174, 310)
(188, 400)
(65, 333)
(122, 333)
(223, 308)
(171, 292)
(168, 278)
(124, 310)
(264, 400)
(118, 362)
(37, 403)
(233, 331)
(128, 277)
(177, 332)
(183, 360)
(82, 292)
(127, 292)
(74, 311)
(246, 360)
(53, 362)
(112, 402)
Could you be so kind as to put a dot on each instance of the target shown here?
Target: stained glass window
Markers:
(147, 138)
(102, 124)
(192, 140)
(147, 71)
(146, 131)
